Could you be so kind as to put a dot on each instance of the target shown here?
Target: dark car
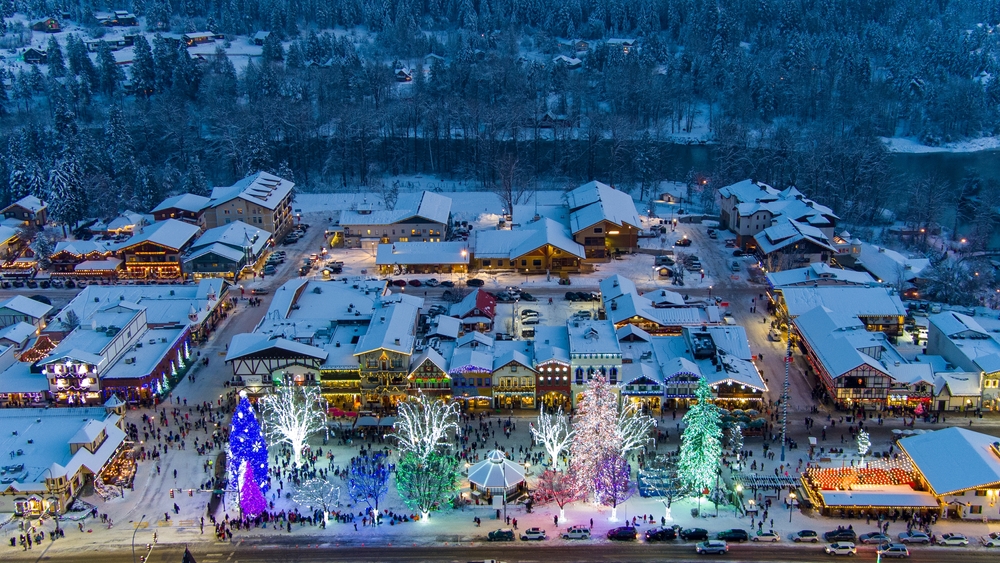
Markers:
(695, 534)
(571, 296)
(447, 283)
(503, 534)
(841, 535)
(624, 533)
(415, 283)
(399, 283)
(70, 284)
(735, 534)
(661, 534)
(528, 297)
(683, 242)
(737, 253)
(475, 282)
(582, 296)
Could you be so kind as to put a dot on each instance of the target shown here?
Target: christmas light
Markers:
(318, 492)
(554, 432)
(597, 413)
(246, 444)
(425, 483)
(291, 415)
(612, 483)
(367, 479)
(557, 486)
(701, 443)
(252, 502)
(633, 428)
(423, 424)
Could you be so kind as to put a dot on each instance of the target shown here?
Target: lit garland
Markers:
(246, 444)
(252, 502)
(701, 443)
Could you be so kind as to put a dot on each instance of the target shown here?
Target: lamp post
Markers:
(133, 536)
(739, 495)
(791, 504)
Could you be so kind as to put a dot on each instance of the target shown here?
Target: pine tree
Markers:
(66, 198)
(143, 68)
(246, 444)
(252, 502)
(164, 61)
(54, 58)
(701, 443)
(111, 74)
(596, 419)
(187, 74)
(425, 483)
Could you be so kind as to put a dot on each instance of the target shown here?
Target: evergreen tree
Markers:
(596, 419)
(143, 68)
(247, 444)
(425, 483)
(111, 74)
(67, 202)
(252, 501)
(272, 50)
(164, 61)
(54, 58)
(701, 443)
(187, 74)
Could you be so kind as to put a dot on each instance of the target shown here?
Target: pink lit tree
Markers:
(559, 487)
(252, 502)
(594, 427)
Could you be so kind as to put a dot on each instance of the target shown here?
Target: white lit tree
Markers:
(318, 492)
(554, 432)
(864, 444)
(701, 443)
(633, 429)
(423, 425)
(291, 414)
(595, 426)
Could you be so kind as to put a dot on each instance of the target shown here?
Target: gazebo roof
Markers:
(496, 473)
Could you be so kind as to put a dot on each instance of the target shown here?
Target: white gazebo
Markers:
(497, 474)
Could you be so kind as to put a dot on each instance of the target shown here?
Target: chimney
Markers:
(397, 342)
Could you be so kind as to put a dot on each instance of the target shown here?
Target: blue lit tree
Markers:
(246, 444)
(367, 479)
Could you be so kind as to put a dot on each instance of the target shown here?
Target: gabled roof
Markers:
(7, 233)
(474, 336)
(939, 454)
(478, 299)
(17, 332)
(951, 323)
(512, 357)
(665, 298)
(423, 253)
(615, 286)
(29, 202)
(252, 343)
(432, 207)
(959, 384)
(171, 233)
(786, 232)
(518, 242)
(816, 273)
(88, 433)
(73, 354)
(391, 328)
(594, 202)
(80, 247)
(26, 306)
(266, 190)
(220, 250)
(446, 326)
(632, 330)
(852, 301)
(429, 355)
(827, 336)
(890, 266)
(185, 202)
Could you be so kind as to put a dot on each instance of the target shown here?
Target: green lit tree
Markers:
(425, 483)
(701, 443)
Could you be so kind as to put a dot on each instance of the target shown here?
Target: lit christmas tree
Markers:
(291, 415)
(423, 425)
(553, 431)
(246, 444)
(701, 443)
(612, 483)
(864, 444)
(252, 502)
(558, 486)
(596, 420)
(426, 483)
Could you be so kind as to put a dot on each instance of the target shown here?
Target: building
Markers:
(550, 352)
(34, 56)
(261, 200)
(156, 251)
(476, 311)
(748, 207)
(225, 251)
(55, 454)
(658, 312)
(119, 18)
(29, 210)
(471, 370)
(124, 224)
(422, 258)
(384, 351)
(258, 360)
(624, 44)
(541, 247)
(961, 468)
(429, 375)
(77, 257)
(593, 350)
(48, 25)
(603, 220)
(817, 274)
(260, 37)
(422, 217)
(958, 391)
(571, 63)
(891, 268)
(10, 242)
(963, 342)
(185, 207)
(790, 244)
(878, 307)
(197, 38)
(21, 309)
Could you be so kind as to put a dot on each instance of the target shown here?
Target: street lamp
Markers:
(791, 504)
(739, 495)
(133, 536)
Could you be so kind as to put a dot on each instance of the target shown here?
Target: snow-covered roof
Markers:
(26, 306)
(616, 285)
(818, 273)
(469, 359)
(220, 250)
(266, 190)
(890, 496)
(827, 335)
(890, 266)
(476, 300)
(391, 328)
(751, 197)
(852, 301)
(18, 378)
(446, 326)
(938, 454)
(429, 355)
(432, 207)
(953, 324)
(171, 233)
(786, 232)
(551, 344)
(496, 473)
(511, 356)
(17, 332)
(572, 61)
(593, 337)
(7, 233)
(29, 202)
(185, 202)
(423, 253)
(730, 339)
(630, 330)
(237, 235)
(108, 264)
(514, 243)
(80, 247)
(594, 202)
(665, 298)
(735, 371)
(245, 344)
(959, 384)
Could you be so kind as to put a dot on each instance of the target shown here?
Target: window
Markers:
(487, 382)
(976, 509)
(487, 262)
(513, 369)
(980, 493)
(524, 262)
(536, 263)
(598, 229)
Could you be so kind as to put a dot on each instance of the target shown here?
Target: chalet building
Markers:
(571, 63)
(965, 343)
(749, 207)
(514, 376)
(225, 251)
(260, 37)
(879, 308)
(624, 44)
(593, 350)
(48, 25)
(258, 360)
(429, 375)
(789, 244)
(184, 207)
(156, 251)
(120, 18)
(403, 74)
(10, 242)
(34, 56)
(476, 311)
(422, 257)
(261, 200)
(81, 258)
(197, 38)
(384, 354)
(603, 220)
(21, 309)
(471, 370)
(552, 365)
(423, 220)
(540, 247)
(29, 210)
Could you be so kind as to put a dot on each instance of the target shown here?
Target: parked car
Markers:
(57, 284)
(571, 296)
(431, 282)
(730, 243)
(712, 233)
(894, 550)
(528, 312)
(527, 297)
(530, 321)
(769, 536)
(661, 534)
(841, 548)
(528, 333)
(738, 253)
(415, 283)
(623, 533)
(717, 547)
(576, 533)
(259, 291)
(70, 284)
(735, 266)
(270, 270)
(503, 534)
(914, 537)
(696, 534)
(874, 537)
(475, 282)
(447, 283)
(399, 283)
(735, 534)
(953, 540)
(32, 284)
(533, 534)
(841, 535)
(991, 540)
(805, 536)
(582, 315)
(664, 261)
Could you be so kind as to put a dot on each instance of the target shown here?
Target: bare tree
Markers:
(512, 188)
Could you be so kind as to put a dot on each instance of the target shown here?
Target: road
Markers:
(515, 553)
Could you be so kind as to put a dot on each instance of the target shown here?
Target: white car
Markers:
(577, 533)
(914, 537)
(766, 536)
(953, 539)
(841, 548)
(991, 540)
(533, 534)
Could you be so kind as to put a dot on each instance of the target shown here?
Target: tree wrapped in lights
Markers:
(318, 492)
(291, 415)
(554, 433)
(595, 427)
(612, 483)
(633, 429)
(559, 487)
(736, 438)
(864, 444)
(367, 479)
(252, 502)
(423, 424)
(246, 444)
(701, 443)
(425, 483)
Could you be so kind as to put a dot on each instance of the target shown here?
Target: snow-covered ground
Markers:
(912, 145)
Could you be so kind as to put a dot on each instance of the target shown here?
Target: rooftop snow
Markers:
(594, 202)
(185, 202)
(266, 190)
(852, 301)
(890, 266)
(415, 253)
(391, 328)
(435, 208)
(29, 202)
(592, 337)
(937, 454)
(818, 273)
(171, 233)
(26, 306)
